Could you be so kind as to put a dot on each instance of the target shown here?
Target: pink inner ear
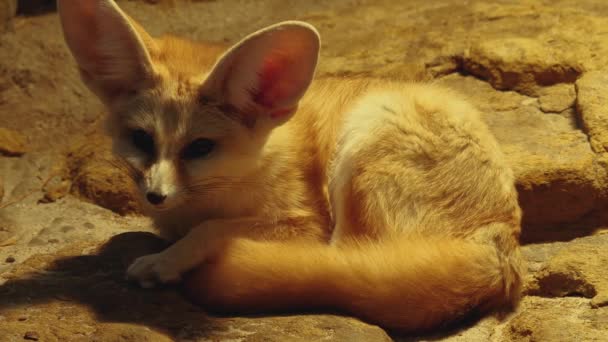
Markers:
(276, 86)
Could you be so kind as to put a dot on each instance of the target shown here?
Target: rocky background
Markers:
(537, 68)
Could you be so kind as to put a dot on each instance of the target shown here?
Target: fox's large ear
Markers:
(111, 53)
(267, 72)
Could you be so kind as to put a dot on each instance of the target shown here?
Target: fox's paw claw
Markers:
(153, 269)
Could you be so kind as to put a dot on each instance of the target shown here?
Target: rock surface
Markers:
(85, 287)
(557, 98)
(11, 143)
(8, 9)
(540, 80)
(96, 175)
(564, 319)
(574, 269)
(592, 104)
(519, 63)
(558, 176)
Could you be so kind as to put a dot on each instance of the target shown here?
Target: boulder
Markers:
(557, 174)
(564, 319)
(97, 176)
(12, 143)
(592, 107)
(573, 269)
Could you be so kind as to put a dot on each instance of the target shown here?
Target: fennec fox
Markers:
(384, 200)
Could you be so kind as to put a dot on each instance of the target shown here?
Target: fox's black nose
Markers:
(155, 198)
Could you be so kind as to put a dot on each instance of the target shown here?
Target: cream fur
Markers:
(387, 200)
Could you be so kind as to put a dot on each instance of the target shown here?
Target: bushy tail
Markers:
(401, 284)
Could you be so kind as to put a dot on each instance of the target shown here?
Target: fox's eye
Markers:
(143, 141)
(198, 148)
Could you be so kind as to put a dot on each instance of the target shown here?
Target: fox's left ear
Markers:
(268, 72)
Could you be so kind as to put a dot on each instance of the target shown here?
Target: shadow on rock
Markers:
(36, 7)
(98, 282)
(81, 294)
(589, 224)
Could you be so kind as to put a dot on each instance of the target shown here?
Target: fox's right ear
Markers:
(265, 75)
(113, 55)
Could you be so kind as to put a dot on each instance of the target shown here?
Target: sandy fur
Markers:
(385, 200)
(426, 216)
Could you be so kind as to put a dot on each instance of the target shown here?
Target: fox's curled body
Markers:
(385, 200)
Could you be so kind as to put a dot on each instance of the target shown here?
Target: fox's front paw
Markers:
(153, 269)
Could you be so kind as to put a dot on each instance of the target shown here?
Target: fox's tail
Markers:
(400, 284)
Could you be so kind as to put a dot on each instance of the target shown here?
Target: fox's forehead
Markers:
(174, 110)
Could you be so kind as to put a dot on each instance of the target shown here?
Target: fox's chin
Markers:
(158, 208)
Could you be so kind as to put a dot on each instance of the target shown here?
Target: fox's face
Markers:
(187, 130)
(179, 146)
